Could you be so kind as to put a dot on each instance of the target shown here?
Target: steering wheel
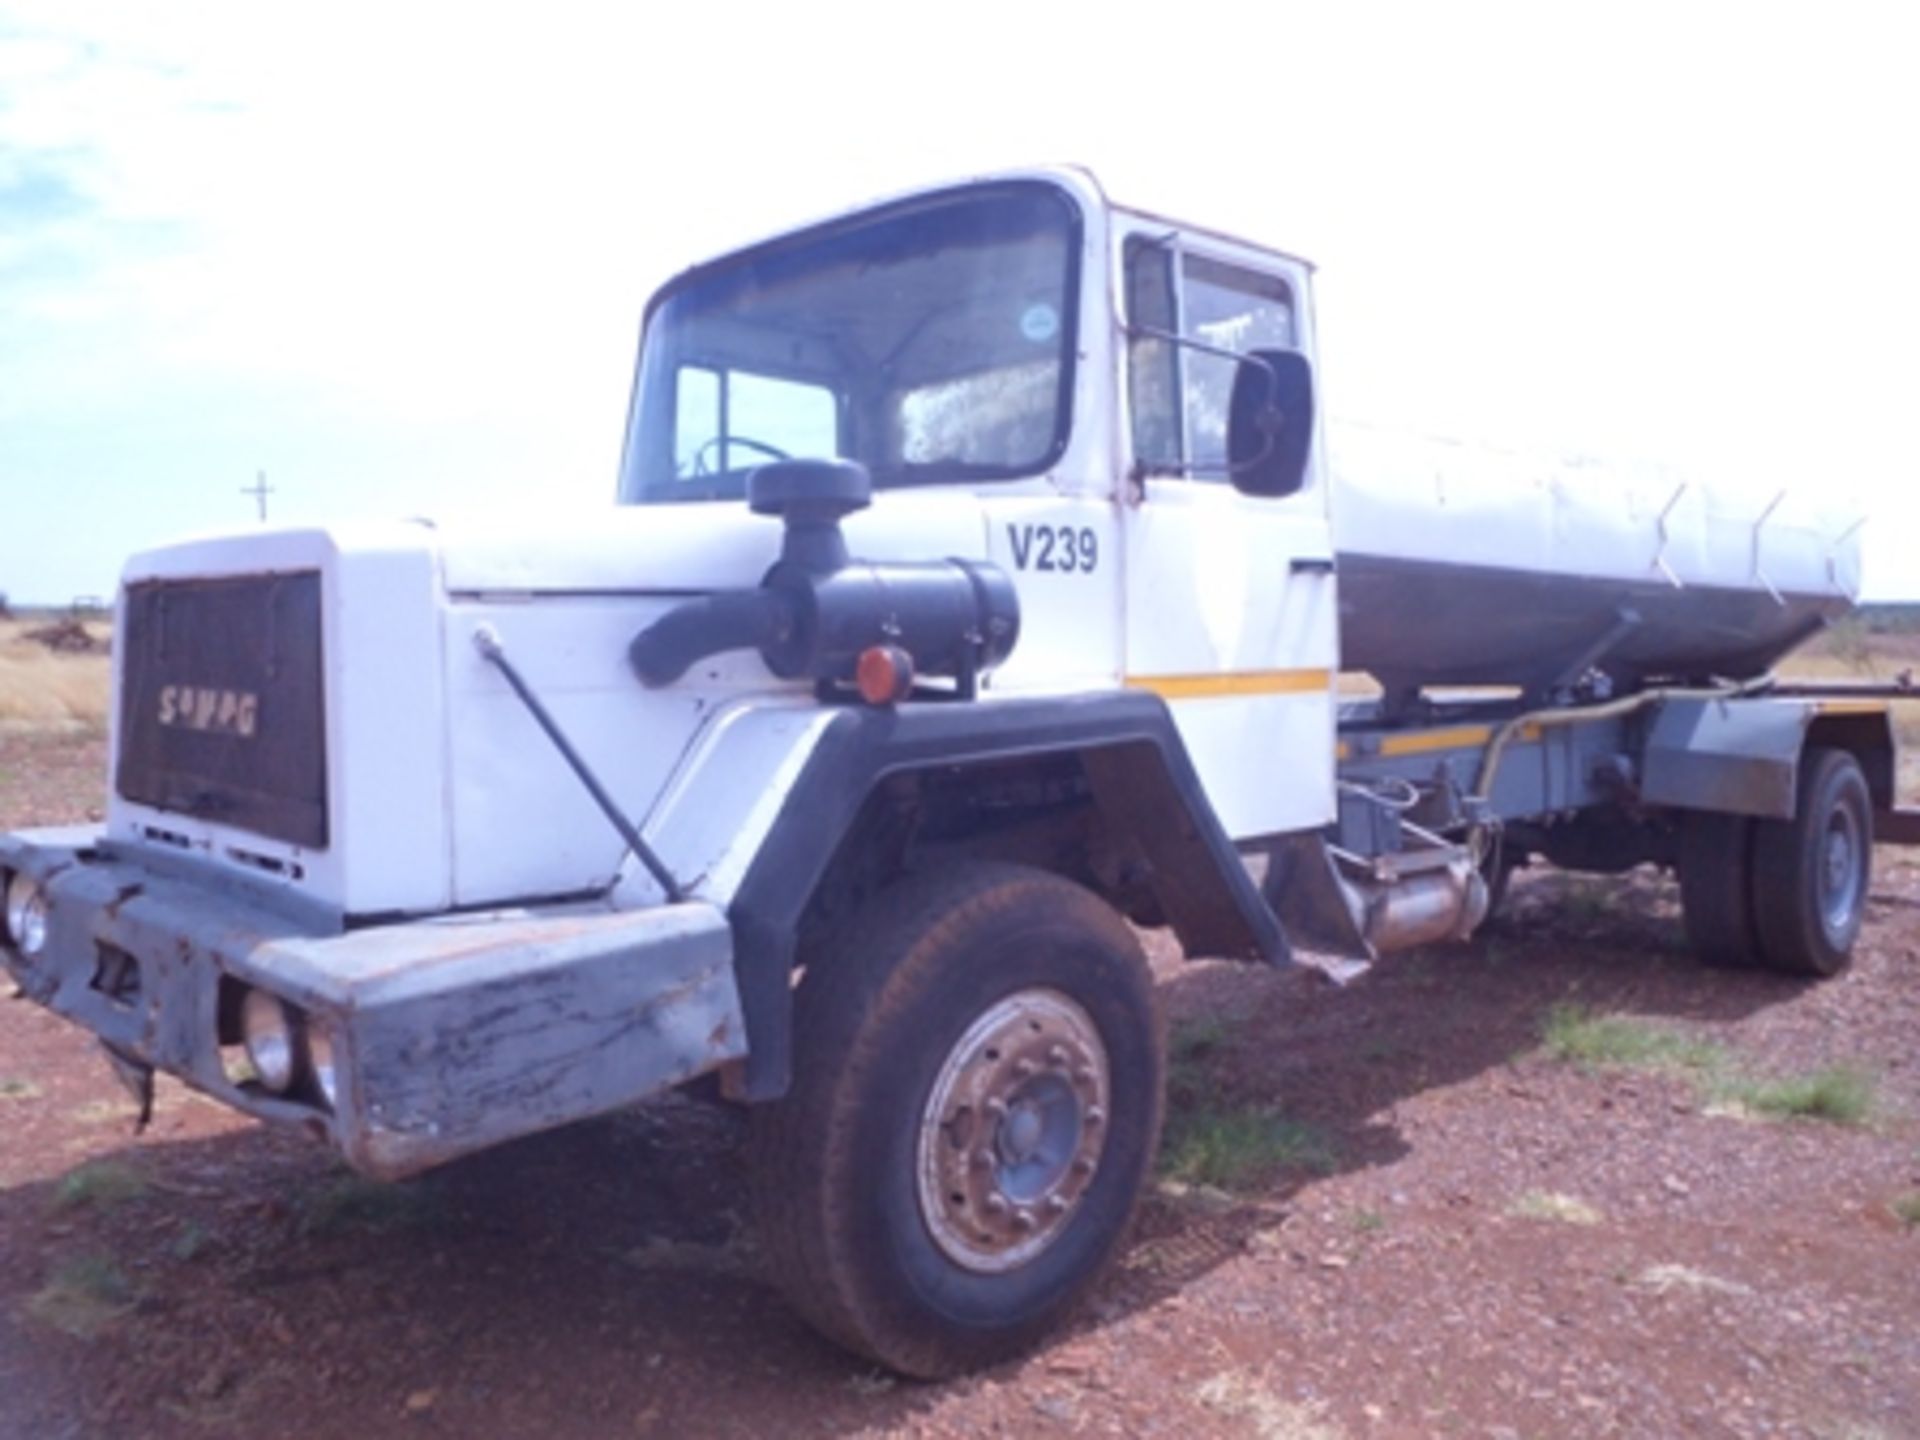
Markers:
(713, 443)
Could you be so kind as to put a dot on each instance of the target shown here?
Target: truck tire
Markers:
(976, 1102)
(1810, 873)
(1716, 888)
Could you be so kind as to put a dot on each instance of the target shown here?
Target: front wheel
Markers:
(975, 1107)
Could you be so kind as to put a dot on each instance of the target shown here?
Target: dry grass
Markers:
(42, 691)
(84, 1296)
(1854, 651)
(1551, 1205)
(1261, 1411)
(1667, 1279)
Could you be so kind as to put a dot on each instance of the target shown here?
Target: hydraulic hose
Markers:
(1606, 710)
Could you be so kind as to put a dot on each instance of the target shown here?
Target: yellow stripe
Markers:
(1851, 707)
(1233, 683)
(1453, 737)
(1421, 741)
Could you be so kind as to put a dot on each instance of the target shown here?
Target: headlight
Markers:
(27, 915)
(320, 1058)
(268, 1031)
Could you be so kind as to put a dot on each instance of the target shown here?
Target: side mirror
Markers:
(1270, 422)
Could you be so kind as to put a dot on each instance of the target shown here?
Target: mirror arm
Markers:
(1241, 357)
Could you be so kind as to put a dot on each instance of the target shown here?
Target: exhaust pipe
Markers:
(1447, 903)
(1432, 895)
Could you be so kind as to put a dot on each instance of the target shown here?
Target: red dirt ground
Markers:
(1699, 1273)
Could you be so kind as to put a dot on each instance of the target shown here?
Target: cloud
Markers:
(33, 194)
(415, 240)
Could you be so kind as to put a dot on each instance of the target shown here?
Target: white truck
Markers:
(972, 593)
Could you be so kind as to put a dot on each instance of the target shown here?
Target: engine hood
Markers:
(680, 549)
(618, 550)
(427, 783)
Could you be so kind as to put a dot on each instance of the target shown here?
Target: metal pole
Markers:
(487, 641)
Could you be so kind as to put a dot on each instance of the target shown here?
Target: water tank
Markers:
(1464, 566)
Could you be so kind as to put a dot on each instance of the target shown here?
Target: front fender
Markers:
(1142, 780)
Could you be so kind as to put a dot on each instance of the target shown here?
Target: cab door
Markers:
(1229, 597)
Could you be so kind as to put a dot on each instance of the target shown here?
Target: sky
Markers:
(395, 256)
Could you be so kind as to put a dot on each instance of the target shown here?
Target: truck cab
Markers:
(1055, 373)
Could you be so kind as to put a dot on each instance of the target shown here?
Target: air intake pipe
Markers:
(816, 610)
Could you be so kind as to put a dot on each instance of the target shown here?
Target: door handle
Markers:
(1311, 565)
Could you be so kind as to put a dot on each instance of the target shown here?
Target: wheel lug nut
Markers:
(995, 1107)
(1023, 1068)
(1058, 1057)
(995, 1204)
(983, 1159)
(1084, 1075)
(1095, 1115)
(1083, 1166)
(1023, 1220)
(1057, 1204)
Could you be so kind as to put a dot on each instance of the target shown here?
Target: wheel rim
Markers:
(1839, 870)
(1012, 1131)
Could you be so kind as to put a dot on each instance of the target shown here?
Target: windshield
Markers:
(931, 341)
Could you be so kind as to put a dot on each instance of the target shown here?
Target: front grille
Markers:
(222, 709)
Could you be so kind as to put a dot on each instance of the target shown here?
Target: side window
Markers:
(1153, 365)
(735, 419)
(1219, 305)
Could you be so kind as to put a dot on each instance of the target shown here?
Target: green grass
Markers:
(193, 1239)
(1578, 1036)
(1906, 1209)
(84, 1296)
(1225, 1146)
(1239, 1148)
(1842, 1094)
(1584, 900)
(10, 1088)
(350, 1202)
(1192, 1045)
(103, 1183)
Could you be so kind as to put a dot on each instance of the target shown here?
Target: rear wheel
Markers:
(1810, 873)
(1716, 888)
(975, 1107)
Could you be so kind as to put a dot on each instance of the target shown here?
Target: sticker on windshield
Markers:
(1040, 323)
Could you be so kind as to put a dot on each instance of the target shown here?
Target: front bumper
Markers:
(448, 1034)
